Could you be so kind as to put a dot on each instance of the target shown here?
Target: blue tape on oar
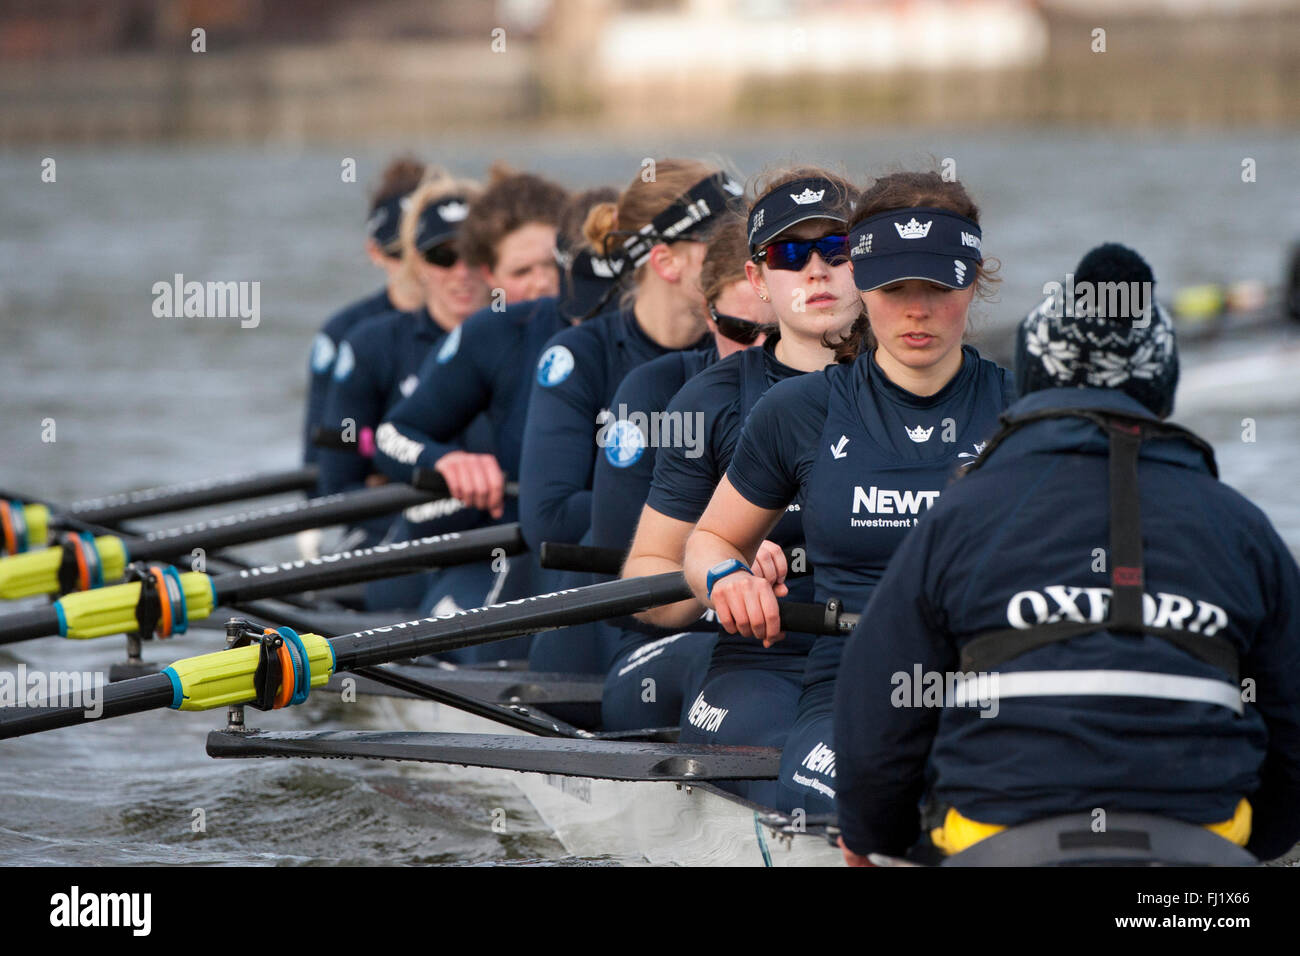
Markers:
(178, 694)
(180, 614)
(18, 525)
(94, 566)
(302, 664)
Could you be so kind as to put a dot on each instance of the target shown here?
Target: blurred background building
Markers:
(294, 70)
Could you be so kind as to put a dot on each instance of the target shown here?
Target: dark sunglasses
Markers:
(793, 255)
(741, 331)
(443, 256)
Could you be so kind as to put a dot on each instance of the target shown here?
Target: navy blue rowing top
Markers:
(626, 461)
(873, 457)
(576, 377)
(324, 348)
(685, 479)
(479, 368)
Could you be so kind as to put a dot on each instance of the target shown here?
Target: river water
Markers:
(132, 400)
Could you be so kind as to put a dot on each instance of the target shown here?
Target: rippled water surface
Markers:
(137, 400)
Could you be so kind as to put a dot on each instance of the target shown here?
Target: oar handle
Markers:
(561, 556)
(431, 480)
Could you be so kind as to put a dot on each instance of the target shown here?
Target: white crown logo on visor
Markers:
(913, 229)
(453, 211)
(808, 196)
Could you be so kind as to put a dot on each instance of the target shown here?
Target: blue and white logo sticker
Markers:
(555, 366)
(322, 353)
(345, 363)
(450, 346)
(624, 445)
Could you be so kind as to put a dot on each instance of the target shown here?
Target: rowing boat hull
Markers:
(632, 822)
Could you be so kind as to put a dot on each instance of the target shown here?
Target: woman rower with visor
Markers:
(872, 441)
(796, 258)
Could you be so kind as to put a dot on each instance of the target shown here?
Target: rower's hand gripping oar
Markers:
(230, 677)
(86, 561)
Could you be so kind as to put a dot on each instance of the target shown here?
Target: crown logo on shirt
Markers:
(919, 434)
(913, 229)
(863, 246)
(808, 196)
(453, 211)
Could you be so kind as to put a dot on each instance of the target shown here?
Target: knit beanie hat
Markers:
(1104, 331)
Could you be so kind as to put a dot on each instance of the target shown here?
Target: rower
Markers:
(384, 247)
(750, 693)
(377, 363)
(655, 226)
(672, 661)
(508, 240)
(866, 445)
(1146, 669)
(487, 373)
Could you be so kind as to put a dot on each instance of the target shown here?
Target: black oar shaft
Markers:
(113, 700)
(350, 567)
(466, 628)
(29, 625)
(112, 509)
(273, 522)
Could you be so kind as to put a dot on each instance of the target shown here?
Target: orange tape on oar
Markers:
(12, 527)
(283, 676)
(160, 610)
(81, 568)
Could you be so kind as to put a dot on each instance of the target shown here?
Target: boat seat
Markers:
(1130, 839)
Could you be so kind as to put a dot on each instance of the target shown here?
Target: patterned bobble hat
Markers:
(1104, 330)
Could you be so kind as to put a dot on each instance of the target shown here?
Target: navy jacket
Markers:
(1023, 537)
(482, 367)
(324, 347)
(574, 384)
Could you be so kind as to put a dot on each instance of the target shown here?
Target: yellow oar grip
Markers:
(37, 572)
(111, 610)
(226, 677)
(38, 525)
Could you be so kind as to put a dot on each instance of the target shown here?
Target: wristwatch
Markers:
(720, 571)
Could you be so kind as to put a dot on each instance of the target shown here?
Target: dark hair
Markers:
(400, 177)
(574, 214)
(903, 190)
(724, 262)
(510, 201)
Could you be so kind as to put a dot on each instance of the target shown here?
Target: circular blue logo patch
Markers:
(555, 366)
(345, 363)
(322, 353)
(624, 445)
(450, 346)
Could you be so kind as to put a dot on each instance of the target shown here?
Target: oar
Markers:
(192, 595)
(32, 518)
(560, 556)
(231, 677)
(87, 562)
